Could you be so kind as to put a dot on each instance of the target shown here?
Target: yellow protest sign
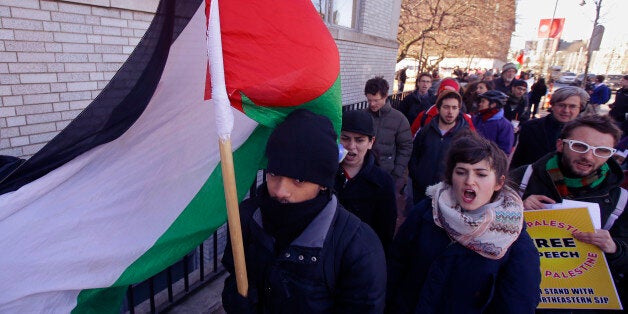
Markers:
(574, 275)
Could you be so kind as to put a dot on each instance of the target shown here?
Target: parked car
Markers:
(567, 78)
(578, 80)
(613, 81)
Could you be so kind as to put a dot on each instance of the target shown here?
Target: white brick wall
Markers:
(371, 51)
(361, 62)
(377, 16)
(56, 56)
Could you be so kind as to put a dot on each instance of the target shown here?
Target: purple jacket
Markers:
(497, 129)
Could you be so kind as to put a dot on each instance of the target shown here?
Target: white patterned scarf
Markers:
(489, 230)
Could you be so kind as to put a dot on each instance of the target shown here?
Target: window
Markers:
(337, 12)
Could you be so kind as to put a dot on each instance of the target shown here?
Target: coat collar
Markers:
(460, 123)
(315, 233)
(383, 110)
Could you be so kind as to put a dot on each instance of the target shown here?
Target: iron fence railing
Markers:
(169, 287)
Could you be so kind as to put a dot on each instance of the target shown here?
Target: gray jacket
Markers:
(393, 140)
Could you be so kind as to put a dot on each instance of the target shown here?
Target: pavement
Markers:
(206, 300)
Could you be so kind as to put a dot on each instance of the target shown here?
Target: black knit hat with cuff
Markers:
(304, 147)
(358, 121)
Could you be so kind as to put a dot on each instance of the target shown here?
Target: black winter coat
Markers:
(427, 163)
(336, 265)
(537, 137)
(428, 273)
(370, 195)
(538, 90)
(500, 85)
(516, 109)
(606, 195)
(620, 109)
(413, 104)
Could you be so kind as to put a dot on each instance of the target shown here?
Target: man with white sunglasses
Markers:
(582, 169)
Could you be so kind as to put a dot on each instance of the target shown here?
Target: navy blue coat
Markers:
(414, 103)
(336, 265)
(370, 195)
(428, 273)
(427, 163)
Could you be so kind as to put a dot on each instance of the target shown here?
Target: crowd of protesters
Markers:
(326, 231)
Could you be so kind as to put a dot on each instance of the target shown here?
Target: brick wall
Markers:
(376, 18)
(369, 51)
(361, 62)
(56, 56)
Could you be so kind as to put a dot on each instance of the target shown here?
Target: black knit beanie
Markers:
(304, 147)
(517, 83)
(358, 121)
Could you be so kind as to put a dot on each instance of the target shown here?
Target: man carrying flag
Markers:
(305, 253)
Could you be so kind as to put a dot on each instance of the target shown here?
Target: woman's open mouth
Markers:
(468, 196)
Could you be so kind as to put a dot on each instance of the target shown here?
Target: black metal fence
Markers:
(169, 287)
(200, 267)
(395, 100)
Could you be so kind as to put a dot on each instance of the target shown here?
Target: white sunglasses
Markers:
(582, 147)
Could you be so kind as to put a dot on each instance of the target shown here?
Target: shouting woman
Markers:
(465, 249)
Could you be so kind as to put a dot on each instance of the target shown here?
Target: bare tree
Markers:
(445, 28)
(598, 6)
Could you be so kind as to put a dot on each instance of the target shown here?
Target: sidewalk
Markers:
(206, 300)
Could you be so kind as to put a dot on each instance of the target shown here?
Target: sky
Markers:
(578, 20)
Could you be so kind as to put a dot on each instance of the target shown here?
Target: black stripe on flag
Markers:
(119, 104)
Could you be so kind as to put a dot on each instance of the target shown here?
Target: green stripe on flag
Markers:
(205, 213)
(328, 104)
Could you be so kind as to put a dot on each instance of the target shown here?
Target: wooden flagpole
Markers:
(224, 124)
(233, 215)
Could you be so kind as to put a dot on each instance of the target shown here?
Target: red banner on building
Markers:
(551, 28)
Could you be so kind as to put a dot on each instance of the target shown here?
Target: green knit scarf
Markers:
(563, 184)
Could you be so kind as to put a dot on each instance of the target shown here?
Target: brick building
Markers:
(56, 56)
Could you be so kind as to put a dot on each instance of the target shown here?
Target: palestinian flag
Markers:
(134, 182)
(519, 60)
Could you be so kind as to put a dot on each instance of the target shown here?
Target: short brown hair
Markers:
(469, 147)
(602, 124)
(375, 86)
(418, 78)
(447, 94)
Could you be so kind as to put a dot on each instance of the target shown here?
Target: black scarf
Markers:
(286, 221)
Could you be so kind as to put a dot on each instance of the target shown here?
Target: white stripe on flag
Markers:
(80, 226)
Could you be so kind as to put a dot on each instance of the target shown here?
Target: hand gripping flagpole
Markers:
(224, 125)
